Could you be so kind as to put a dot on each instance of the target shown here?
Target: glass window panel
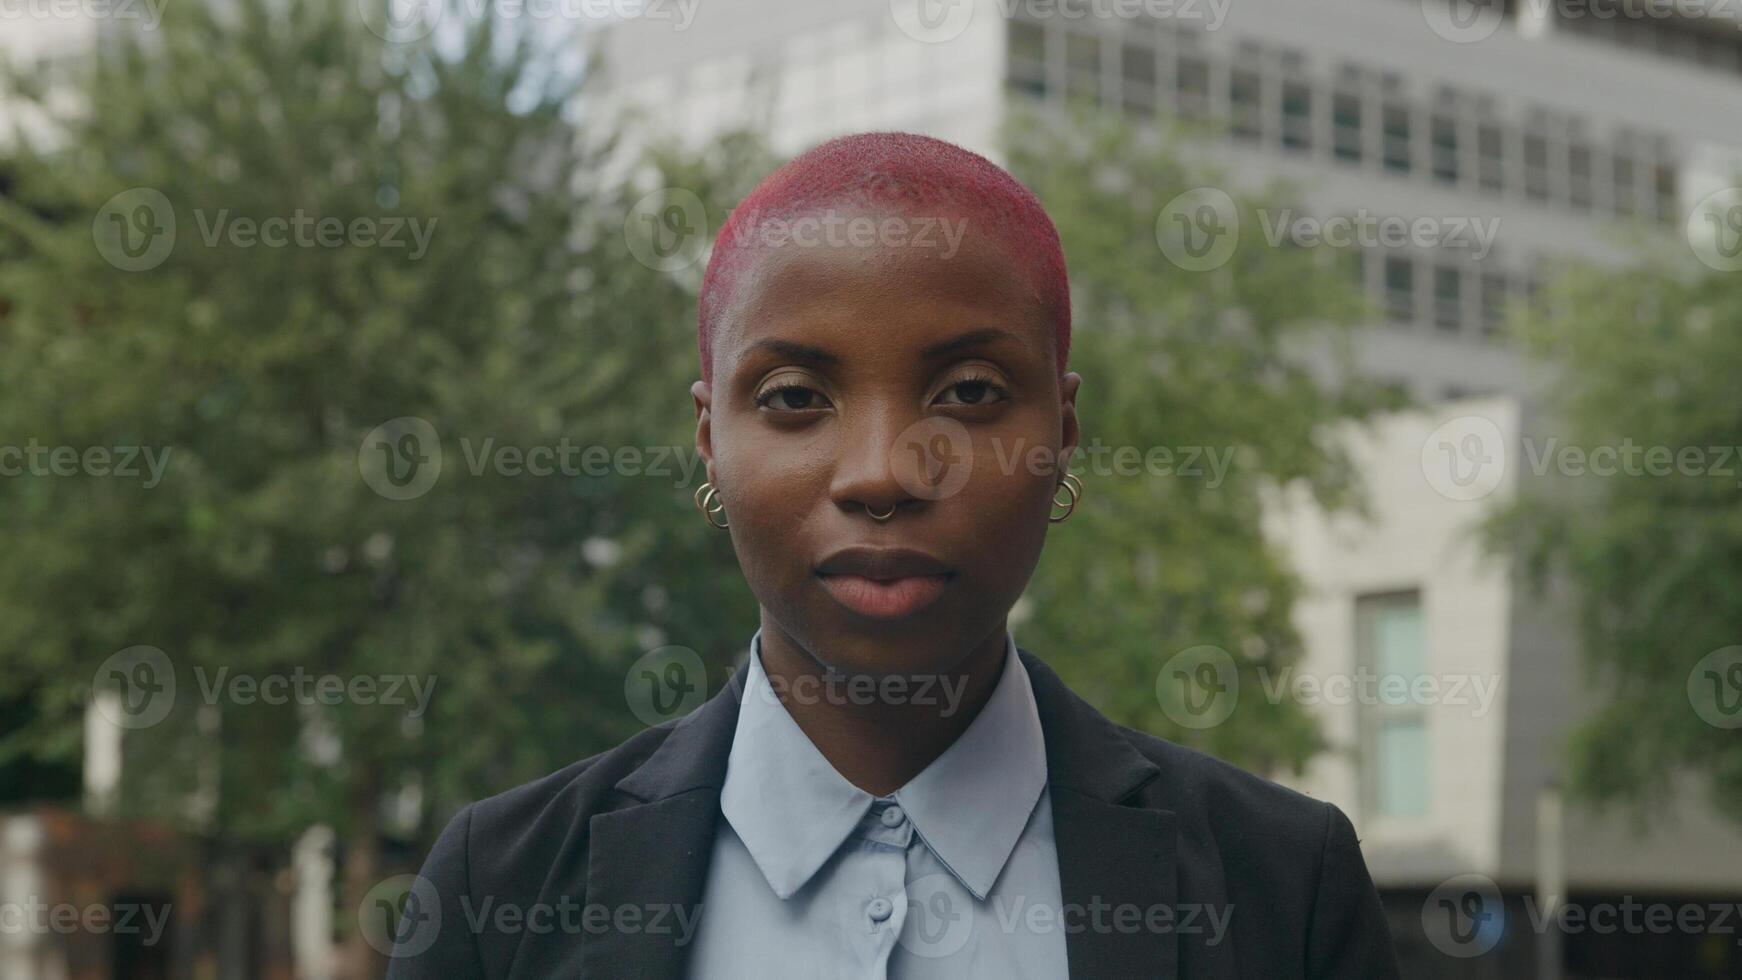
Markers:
(1401, 767)
(1083, 66)
(1027, 43)
(1536, 167)
(1395, 125)
(1137, 69)
(1399, 288)
(1494, 292)
(1622, 178)
(1192, 82)
(1297, 115)
(1346, 125)
(1245, 93)
(1448, 298)
(1445, 149)
(1490, 157)
(1664, 192)
(1579, 176)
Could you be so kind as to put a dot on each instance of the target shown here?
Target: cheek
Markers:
(1006, 502)
(769, 487)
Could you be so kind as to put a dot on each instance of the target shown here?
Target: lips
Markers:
(884, 583)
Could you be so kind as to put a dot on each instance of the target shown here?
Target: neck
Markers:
(880, 745)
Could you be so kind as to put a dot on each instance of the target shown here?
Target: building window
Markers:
(1192, 83)
(1394, 123)
(1579, 192)
(1137, 70)
(1490, 157)
(1027, 69)
(1494, 293)
(1297, 115)
(1444, 133)
(1536, 167)
(1083, 66)
(1400, 288)
(1448, 298)
(1664, 193)
(1346, 126)
(1391, 641)
(1622, 178)
(1245, 103)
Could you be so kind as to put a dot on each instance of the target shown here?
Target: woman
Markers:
(889, 787)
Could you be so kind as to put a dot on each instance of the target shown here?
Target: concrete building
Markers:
(1578, 129)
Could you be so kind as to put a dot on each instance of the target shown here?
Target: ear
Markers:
(702, 394)
(1070, 433)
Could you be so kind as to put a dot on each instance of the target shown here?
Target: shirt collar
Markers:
(792, 809)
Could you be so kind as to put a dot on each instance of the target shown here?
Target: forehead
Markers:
(879, 280)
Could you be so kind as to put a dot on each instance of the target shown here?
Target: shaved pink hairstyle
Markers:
(908, 174)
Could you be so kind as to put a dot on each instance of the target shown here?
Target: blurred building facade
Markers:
(1582, 129)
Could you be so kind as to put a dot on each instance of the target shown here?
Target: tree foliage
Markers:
(1651, 553)
(1239, 374)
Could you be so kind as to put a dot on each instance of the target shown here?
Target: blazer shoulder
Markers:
(576, 791)
(1231, 797)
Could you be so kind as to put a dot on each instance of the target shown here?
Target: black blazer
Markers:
(530, 883)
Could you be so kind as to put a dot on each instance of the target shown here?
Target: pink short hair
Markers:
(906, 172)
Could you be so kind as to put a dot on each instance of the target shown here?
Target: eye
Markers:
(791, 396)
(973, 390)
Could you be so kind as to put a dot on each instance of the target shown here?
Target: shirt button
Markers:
(893, 817)
(879, 909)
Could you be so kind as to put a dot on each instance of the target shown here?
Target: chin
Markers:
(921, 646)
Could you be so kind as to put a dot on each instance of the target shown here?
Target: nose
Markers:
(865, 480)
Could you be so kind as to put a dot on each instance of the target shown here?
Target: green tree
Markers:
(1651, 556)
(1238, 360)
(257, 374)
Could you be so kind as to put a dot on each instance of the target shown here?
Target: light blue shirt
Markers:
(953, 875)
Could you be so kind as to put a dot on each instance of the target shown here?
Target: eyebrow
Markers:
(795, 351)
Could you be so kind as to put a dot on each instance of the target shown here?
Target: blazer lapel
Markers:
(647, 862)
(1118, 859)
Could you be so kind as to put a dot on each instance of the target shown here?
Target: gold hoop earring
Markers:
(1073, 486)
(709, 503)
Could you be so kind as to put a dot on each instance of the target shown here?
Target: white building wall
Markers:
(1417, 538)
